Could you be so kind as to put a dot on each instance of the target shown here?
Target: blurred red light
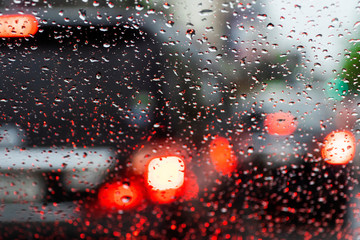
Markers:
(18, 25)
(339, 147)
(280, 123)
(191, 187)
(165, 178)
(163, 196)
(120, 195)
(222, 156)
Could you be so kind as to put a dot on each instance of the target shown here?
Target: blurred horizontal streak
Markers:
(89, 16)
(37, 212)
(76, 15)
(65, 159)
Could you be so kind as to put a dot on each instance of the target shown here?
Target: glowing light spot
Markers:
(222, 156)
(165, 178)
(339, 147)
(280, 123)
(166, 173)
(18, 25)
(120, 195)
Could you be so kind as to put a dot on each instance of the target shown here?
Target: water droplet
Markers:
(357, 24)
(166, 5)
(126, 184)
(224, 37)
(212, 49)
(126, 199)
(262, 16)
(206, 12)
(151, 11)
(82, 14)
(190, 33)
(139, 7)
(270, 26)
(300, 47)
(308, 87)
(169, 23)
(111, 4)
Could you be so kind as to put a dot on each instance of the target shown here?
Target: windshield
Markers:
(179, 119)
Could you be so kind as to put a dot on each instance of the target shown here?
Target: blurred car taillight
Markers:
(280, 123)
(160, 173)
(121, 195)
(222, 156)
(18, 25)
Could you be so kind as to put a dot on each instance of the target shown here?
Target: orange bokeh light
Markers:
(222, 155)
(18, 25)
(280, 123)
(120, 195)
(339, 147)
(165, 178)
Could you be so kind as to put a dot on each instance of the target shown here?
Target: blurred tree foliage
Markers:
(351, 68)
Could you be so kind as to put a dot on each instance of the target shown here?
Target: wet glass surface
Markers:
(179, 120)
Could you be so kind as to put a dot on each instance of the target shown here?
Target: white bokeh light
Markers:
(166, 173)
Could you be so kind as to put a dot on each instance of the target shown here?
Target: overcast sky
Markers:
(330, 24)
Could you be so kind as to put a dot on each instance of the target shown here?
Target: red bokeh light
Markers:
(191, 187)
(280, 123)
(339, 147)
(121, 195)
(18, 25)
(222, 155)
